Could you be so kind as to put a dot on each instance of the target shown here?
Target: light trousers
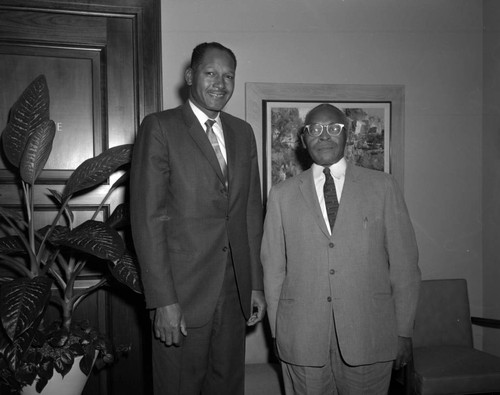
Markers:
(336, 377)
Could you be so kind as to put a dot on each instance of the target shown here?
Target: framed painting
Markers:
(375, 131)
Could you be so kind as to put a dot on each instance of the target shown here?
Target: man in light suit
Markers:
(197, 226)
(341, 278)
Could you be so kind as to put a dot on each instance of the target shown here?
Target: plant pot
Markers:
(71, 384)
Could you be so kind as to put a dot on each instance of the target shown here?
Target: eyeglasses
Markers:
(316, 129)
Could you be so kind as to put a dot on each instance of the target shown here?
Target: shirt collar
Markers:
(201, 116)
(337, 169)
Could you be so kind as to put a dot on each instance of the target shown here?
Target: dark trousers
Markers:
(211, 359)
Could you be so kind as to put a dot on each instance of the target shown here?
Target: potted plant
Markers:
(44, 264)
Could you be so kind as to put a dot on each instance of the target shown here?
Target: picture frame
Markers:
(276, 113)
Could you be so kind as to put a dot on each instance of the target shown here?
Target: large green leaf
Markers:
(11, 245)
(28, 113)
(96, 170)
(87, 361)
(14, 351)
(127, 273)
(22, 302)
(120, 218)
(58, 233)
(95, 238)
(37, 151)
(11, 213)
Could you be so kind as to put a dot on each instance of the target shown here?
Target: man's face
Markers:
(212, 82)
(325, 150)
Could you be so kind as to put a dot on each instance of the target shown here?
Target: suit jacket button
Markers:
(331, 245)
(329, 299)
(224, 249)
(332, 271)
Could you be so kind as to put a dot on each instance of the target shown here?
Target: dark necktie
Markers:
(215, 146)
(331, 201)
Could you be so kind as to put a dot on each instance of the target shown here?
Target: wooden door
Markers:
(101, 59)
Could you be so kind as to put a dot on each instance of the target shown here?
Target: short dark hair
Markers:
(200, 50)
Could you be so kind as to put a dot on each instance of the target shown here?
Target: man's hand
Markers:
(169, 324)
(405, 350)
(258, 308)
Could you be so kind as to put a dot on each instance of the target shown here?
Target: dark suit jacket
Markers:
(366, 271)
(184, 220)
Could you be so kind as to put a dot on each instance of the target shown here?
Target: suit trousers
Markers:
(336, 377)
(210, 360)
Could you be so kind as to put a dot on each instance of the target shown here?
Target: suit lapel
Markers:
(308, 190)
(200, 138)
(231, 154)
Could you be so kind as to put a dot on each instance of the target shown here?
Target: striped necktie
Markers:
(216, 147)
(331, 201)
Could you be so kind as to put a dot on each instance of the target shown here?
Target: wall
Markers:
(491, 170)
(432, 47)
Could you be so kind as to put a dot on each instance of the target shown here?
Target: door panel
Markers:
(101, 59)
(74, 84)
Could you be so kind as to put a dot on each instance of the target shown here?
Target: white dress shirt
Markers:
(217, 127)
(338, 172)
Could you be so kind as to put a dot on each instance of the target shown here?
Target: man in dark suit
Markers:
(340, 269)
(197, 224)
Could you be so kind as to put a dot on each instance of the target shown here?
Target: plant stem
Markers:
(14, 264)
(17, 230)
(52, 226)
(50, 261)
(30, 210)
(67, 308)
(58, 278)
(79, 296)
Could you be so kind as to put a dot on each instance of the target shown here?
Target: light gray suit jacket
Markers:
(366, 271)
